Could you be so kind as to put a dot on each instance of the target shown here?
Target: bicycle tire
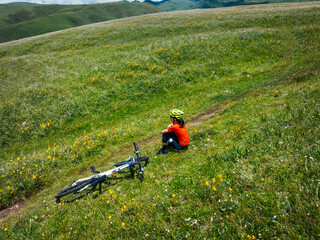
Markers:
(72, 189)
(142, 159)
(119, 164)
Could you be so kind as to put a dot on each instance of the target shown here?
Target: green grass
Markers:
(82, 96)
(18, 22)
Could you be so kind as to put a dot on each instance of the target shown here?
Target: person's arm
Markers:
(164, 131)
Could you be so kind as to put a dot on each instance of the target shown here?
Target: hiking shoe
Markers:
(162, 151)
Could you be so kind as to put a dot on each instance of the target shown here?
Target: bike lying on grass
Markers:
(90, 183)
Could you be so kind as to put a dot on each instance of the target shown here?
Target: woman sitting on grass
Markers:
(176, 135)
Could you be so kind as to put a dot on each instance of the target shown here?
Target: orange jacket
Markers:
(181, 133)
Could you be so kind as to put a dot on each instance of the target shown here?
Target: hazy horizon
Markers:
(58, 1)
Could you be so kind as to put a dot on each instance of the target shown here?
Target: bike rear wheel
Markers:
(89, 185)
(72, 189)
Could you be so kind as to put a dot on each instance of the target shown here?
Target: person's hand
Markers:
(170, 125)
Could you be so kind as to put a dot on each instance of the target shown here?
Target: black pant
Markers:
(172, 140)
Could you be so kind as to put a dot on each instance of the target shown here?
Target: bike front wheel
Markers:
(119, 164)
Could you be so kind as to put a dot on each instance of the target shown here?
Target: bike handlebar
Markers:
(144, 159)
(136, 150)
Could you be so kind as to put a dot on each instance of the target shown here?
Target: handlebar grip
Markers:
(144, 158)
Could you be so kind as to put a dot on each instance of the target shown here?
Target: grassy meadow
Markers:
(77, 98)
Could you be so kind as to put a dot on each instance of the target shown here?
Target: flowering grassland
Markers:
(80, 97)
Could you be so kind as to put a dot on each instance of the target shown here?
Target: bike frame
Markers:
(102, 177)
(104, 174)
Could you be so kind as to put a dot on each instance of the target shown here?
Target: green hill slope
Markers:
(228, 3)
(177, 5)
(16, 4)
(247, 79)
(29, 20)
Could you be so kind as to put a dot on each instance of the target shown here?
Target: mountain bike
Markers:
(90, 183)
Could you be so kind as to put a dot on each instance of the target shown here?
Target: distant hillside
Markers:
(16, 4)
(24, 20)
(228, 3)
(176, 5)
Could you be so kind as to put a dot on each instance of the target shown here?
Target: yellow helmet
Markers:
(178, 114)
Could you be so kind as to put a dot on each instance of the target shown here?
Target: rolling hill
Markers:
(178, 5)
(25, 20)
(228, 3)
(247, 79)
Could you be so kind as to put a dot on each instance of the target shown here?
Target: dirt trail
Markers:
(10, 210)
(191, 123)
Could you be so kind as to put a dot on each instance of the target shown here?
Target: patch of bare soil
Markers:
(10, 210)
(203, 116)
